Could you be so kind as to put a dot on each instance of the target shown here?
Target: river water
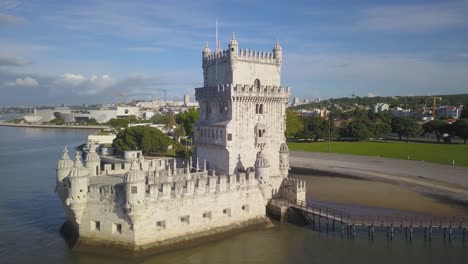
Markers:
(31, 215)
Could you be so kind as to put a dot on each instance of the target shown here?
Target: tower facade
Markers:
(242, 109)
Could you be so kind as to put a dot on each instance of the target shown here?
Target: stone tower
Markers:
(242, 109)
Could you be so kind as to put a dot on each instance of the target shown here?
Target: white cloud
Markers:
(83, 85)
(371, 95)
(24, 82)
(413, 18)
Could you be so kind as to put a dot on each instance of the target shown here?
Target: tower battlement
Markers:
(245, 55)
(230, 90)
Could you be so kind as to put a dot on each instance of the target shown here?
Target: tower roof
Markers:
(284, 148)
(65, 162)
(262, 161)
(233, 40)
(206, 49)
(92, 155)
(78, 170)
(134, 174)
(277, 46)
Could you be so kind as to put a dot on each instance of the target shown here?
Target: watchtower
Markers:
(242, 108)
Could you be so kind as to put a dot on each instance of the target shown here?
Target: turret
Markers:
(78, 184)
(284, 160)
(206, 51)
(64, 166)
(278, 52)
(93, 162)
(262, 168)
(135, 192)
(233, 47)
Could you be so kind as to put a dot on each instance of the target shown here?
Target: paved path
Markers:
(447, 177)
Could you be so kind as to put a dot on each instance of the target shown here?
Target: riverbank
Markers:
(383, 183)
(52, 126)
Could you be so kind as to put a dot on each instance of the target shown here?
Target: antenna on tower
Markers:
(217, 39)
(216, 51)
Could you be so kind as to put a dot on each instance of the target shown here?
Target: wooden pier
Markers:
(347, 223)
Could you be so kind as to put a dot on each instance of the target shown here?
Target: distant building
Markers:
(186, 100)
(449, 111)
(380, 107)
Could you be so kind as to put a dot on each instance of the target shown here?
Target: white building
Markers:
(380, 107)
(449, 111)
(242, 161)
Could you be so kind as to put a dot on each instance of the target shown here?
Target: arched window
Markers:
(260, 109)
(257, 83)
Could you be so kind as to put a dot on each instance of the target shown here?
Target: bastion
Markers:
(147, 204)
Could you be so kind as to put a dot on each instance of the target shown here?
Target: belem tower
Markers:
(241, 161)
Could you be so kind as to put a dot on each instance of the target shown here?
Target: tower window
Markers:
(117, 228)
(229, 137)
(95, 226)
(257, 83)
(161, 224)
(134, 189)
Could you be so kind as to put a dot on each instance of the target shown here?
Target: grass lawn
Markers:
(438, 153)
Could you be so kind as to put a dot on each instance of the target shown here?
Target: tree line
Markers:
(364, 125)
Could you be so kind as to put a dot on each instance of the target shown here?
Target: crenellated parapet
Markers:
(291, 189)
(245, 55)
(242, 90)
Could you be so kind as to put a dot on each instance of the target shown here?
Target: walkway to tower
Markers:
(330, 219)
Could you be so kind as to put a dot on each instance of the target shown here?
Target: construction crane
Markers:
(164, 90)
(434, 99)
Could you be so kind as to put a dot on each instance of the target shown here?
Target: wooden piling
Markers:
(411, 233)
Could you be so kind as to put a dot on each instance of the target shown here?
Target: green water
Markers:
(31, 215)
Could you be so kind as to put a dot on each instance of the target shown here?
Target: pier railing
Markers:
(349, 222)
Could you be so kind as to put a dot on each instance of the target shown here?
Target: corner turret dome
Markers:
(134, 174)
(277, 46)
(65, 162)
(206, 49)
(78, 170)
(233, 41)
(262, 161)
(284, 148)
(92, 155)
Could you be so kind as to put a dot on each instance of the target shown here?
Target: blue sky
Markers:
(75, 52)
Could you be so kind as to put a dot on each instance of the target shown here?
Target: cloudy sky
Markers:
(75, 52)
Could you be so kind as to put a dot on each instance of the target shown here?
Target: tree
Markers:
(293, 123)
(146, 139)
(316, 128)
(461, 129)
(187, 120)
(160, 119)
(436, 127)
(359, 129)
(179, 132)
(464, 113)
(93, 122)
(380, 129)
(58, 121)
(405, 126)
(118, 122)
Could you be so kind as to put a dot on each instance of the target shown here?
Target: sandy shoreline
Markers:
(355, 185)
(364, 196)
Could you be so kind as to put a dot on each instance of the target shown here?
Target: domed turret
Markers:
(93, 162)
(64, 165)
(78, 185)
(135, 192)
(262, 167)
(206, 50)
(284, 160)
(278, 52)
(233, 47)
